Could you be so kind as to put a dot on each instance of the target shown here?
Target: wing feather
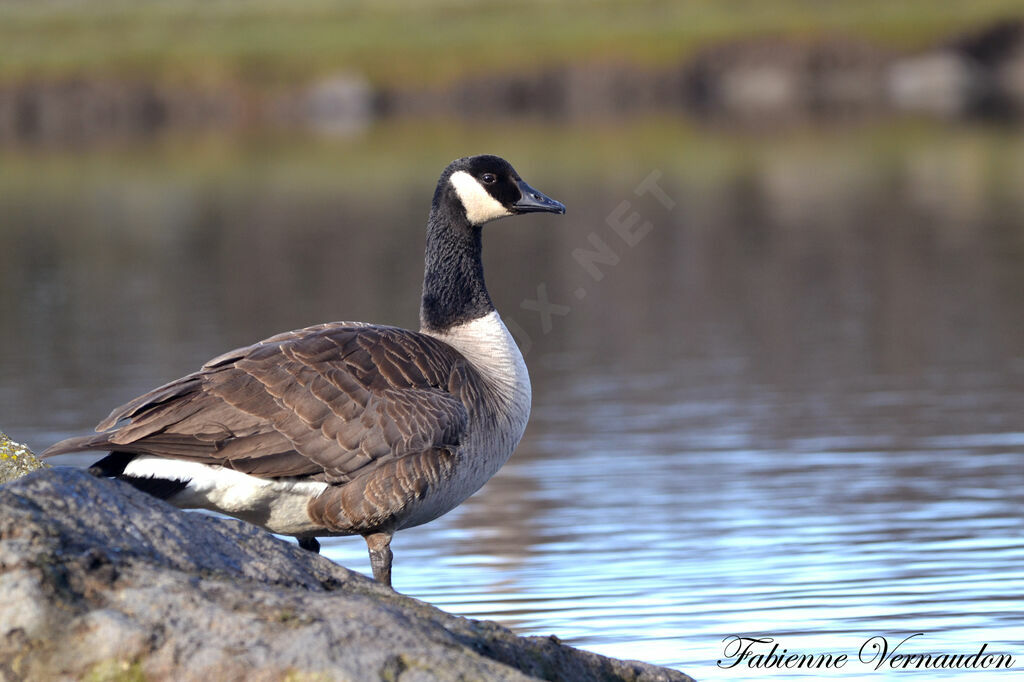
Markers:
(330, 401)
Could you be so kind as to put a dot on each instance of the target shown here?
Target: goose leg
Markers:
(310, 543)
(379, 545)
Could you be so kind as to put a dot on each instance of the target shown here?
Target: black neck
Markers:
(453, 279)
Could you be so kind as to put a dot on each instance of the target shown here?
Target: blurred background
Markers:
(786, 399)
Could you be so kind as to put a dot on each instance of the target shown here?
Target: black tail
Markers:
(157, 487)
(113, 466)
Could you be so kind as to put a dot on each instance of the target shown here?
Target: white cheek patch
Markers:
(480, 206)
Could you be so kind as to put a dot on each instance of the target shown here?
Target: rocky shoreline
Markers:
(753, 82)
(101, 581)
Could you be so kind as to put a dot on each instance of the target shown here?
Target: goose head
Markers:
(487, 187)
(472, 191)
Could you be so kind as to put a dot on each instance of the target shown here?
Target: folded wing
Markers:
(326, 402)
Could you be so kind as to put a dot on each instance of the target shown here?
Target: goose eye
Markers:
(489, 178)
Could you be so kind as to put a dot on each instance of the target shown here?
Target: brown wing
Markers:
(326, 401)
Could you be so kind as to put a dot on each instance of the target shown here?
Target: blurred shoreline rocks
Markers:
(757, 82)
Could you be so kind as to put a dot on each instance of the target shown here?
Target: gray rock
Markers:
(772, 79)
(101, 581)
(339, 105)
(941, 83)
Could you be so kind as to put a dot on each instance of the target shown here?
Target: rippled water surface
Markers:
(791, 407)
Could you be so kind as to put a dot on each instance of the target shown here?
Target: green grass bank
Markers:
(402, 42)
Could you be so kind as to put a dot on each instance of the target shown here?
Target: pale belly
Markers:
(475, 467)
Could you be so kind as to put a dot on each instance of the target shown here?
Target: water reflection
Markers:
(793, 408)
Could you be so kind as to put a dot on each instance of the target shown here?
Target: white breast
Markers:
(492, 351)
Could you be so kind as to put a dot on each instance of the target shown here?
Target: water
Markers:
(793, 407)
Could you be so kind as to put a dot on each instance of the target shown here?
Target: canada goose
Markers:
(348, 428)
